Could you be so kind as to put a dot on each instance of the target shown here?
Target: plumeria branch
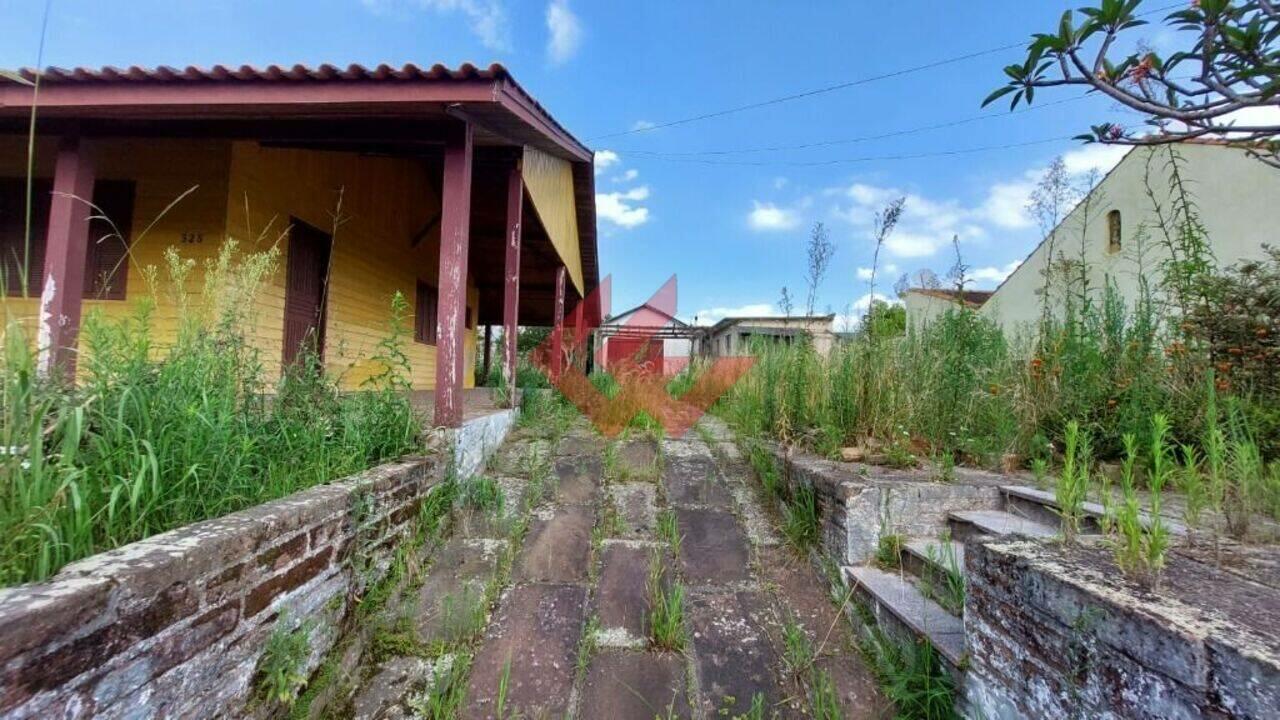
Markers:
(1232, 65)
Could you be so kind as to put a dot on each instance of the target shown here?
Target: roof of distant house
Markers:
(974, 298)
(798, 319)
(649, 312)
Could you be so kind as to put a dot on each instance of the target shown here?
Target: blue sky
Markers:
(732, 226)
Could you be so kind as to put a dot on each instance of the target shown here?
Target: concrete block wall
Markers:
(174, 625)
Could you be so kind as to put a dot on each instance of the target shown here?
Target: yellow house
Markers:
(452, 186)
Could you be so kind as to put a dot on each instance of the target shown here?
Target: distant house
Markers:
(1117, 232)
(647, 336)
(733, 336)
(923, 305)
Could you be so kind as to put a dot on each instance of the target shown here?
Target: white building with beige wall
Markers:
(1117, 231)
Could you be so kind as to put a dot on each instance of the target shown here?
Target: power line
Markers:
(867, 158)
(811, 93)
(839, 86)
(846, 141)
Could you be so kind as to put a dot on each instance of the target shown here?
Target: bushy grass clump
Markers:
(155, 437)
(959, 388)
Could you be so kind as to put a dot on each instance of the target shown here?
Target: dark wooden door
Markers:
(306, 273)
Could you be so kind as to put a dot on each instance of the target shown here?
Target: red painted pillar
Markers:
(67, 243)
(511, 291)
(579, 335)
(557, 329)
(455, 219)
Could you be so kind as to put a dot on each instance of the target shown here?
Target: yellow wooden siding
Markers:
(163, 170)
(250, 193)
(550, 183)
(384, 203)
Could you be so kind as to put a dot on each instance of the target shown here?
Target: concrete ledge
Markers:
(1060, 632)
(858, 504)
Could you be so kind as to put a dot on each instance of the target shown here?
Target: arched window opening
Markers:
(1113, 231)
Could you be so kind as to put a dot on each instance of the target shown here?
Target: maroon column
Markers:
(511, 293)
(455, 219)
(67, 243)
(557, 329)
(579, 340)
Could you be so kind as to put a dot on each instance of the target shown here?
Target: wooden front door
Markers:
(306, 273)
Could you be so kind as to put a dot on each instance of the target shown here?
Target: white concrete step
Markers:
(1042, 505)
(921, 553)
(968, 523)
(900, 608)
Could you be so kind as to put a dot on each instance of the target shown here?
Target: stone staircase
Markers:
(921, 598)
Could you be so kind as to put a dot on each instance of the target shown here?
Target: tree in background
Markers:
(1232, 65)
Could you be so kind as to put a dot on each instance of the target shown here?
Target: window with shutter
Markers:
(424, 317)
(106, 257)
(13, 241)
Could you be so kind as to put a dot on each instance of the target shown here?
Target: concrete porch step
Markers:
(903, 611)
(932, 555)
(1041, 505)
(971, 523)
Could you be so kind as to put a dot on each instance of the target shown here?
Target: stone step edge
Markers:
(982, 519)
(1092, 509)
(896, 595)
(919, 549)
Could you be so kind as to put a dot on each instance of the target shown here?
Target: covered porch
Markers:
(461, 193)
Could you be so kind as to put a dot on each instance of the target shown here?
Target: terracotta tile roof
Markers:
(270, 73)
(971, 297)
(297, 74)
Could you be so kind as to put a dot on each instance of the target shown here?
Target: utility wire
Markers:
(811, 93)
(846, 141)
(867, 158)
(840, 86)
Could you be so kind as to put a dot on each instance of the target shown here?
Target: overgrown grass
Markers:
(800, 518)
(154, 437)
(666, 608)
(911, 674)
(281, 671)
(961, 388)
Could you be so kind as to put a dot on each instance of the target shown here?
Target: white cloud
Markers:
(487, 18)
(1095, 157)
(925, 227)
(643, 125)
(713, 315)
(604, 159)
(991, 274)
(627, 176)
(780, 182)
(621, 208)
(1006, 203)
(767, 217)
(565, 32)
(889, 270)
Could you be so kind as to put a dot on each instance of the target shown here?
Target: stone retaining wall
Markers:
(858, 503)
(174, 625)
(1059, 632)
